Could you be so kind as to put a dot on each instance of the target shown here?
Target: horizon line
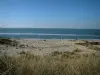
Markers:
(50, 28)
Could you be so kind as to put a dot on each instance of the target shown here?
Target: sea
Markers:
(50, 33)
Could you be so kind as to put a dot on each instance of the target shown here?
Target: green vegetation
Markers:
(86, 43)
(90, 45)
(8, 41)
(65, 63)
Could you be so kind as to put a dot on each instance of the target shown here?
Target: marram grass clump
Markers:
(62, 64)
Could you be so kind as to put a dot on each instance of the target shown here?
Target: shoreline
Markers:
(51, 39)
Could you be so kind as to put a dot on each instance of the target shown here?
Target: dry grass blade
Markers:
(65, 63)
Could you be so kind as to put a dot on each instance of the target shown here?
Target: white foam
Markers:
(39, 34)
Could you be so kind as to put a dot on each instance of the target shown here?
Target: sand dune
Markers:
(44, 47)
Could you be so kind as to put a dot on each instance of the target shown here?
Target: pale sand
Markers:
(44, 47)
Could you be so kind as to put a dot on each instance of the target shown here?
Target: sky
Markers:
(50, 14)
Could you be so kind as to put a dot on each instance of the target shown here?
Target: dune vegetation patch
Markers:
(65, 63)
(86, 43)
(90, 45)
(8, 41)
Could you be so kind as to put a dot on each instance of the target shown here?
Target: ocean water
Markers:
(50, 33)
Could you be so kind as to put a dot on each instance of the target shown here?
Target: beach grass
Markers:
(8, 41)
(90, 45)
(55, 63)
(61, 63)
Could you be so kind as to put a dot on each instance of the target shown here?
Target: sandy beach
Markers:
(45, 47)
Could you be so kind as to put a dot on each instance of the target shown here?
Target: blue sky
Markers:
(50, 13)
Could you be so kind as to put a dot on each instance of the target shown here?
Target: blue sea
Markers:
(50, 33)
